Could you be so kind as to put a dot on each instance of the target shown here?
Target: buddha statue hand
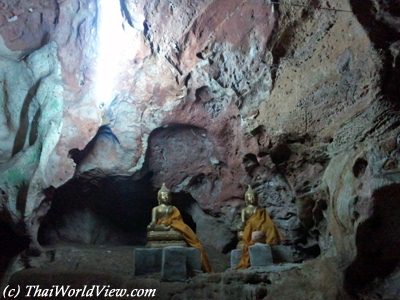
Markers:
(240, 226)
(158, 227)
(239, 229)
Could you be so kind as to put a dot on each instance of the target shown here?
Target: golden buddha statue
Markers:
(250, 201)
(256, 227)
(159, 234)
(168, 229)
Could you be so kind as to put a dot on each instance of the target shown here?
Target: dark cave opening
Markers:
(99, 210)
(184, 202)
(109, 210)
(12, 244)
(377, 240)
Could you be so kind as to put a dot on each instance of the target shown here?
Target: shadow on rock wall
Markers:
(378, 241)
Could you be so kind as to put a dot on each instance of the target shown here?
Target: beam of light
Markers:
(114, 50)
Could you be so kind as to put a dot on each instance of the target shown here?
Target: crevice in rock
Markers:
(280, 153)
(148, 36)
(125, 12)
(359, 167)
(22, 132)
(57, 16)
(33, 134)
(6, 103)
(203, 94)
(22, 198)
(250, 163)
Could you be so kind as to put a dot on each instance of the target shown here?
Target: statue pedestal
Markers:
(163, 244)
(236, 255)
(260, 255)
(147, 260)
(175, 263)
(178, 263)
(161, 239)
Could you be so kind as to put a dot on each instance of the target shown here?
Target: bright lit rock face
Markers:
(300, 102)
(45, 107)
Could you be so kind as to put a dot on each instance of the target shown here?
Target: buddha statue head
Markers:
(250, 197)
(164, 195)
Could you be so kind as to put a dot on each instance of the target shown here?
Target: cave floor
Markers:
(114, 266)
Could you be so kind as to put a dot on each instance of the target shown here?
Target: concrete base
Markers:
(147, 260)
(179, 262)
(260, 255)
(193, 261)
(163, 244)
(175, 263)
(236, 255)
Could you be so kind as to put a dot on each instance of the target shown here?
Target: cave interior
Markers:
(101, 102)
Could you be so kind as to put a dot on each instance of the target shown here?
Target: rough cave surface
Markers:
(300, 101)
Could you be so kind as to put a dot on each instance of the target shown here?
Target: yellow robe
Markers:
(259, 221)
(174, 219)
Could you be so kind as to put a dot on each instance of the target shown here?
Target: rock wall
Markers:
(299, 100)
(39, 99)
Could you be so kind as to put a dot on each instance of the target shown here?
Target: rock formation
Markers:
(298, 99)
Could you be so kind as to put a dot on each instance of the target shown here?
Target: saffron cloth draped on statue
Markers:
(174, 219)
(259, 221)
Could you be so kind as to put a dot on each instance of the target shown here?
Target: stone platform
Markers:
(175, 263)
(262, 255)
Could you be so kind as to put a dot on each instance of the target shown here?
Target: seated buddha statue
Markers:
(250, 208)
(256, 227)
(168, 229)
(159, 234)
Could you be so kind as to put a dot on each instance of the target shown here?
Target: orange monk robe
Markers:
(259, 221)
(174, 219)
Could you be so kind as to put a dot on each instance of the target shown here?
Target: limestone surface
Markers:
(300, 100)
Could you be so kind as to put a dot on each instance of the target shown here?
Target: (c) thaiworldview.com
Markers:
(67, 291)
